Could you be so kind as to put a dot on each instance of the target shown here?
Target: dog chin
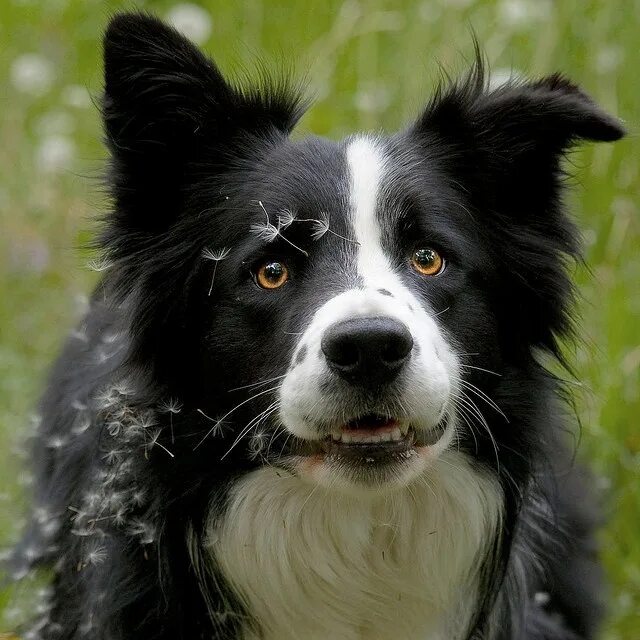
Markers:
(370, 461)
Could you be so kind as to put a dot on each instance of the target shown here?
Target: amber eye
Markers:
(427, 262)
(272, 275)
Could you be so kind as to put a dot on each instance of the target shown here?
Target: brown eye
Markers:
(272, 275)
(427, 262)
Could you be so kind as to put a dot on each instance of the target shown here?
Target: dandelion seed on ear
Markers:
(215, 256)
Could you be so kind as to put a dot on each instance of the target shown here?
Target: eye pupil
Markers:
(273, 270)
(427, 261)
(425, 257)
(272, 275)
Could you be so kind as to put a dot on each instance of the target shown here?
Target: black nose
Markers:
(367, 352)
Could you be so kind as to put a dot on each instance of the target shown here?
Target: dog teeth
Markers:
(347, 437)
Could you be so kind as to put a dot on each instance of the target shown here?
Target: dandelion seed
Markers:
(155, 442)
(81, 424)
(218, 426)
(171, 406)
(143, 530)
(322, 227)
(269, 232)
(79, 334)
(114, 427)
(138, 497)
(78, 406)
(41, 515)
(99, 265)
(87, 626)
(56, 442)
(286, 218)
(31, 553)
(120, 517)
(216, 256)
(257, 443)
(111, 337)
(113, 456)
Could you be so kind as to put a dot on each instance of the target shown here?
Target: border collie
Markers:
(309, 398)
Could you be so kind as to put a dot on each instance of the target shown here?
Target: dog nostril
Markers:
(397, 350)
(367, 351)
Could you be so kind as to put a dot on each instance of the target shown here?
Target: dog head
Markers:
(346, 310)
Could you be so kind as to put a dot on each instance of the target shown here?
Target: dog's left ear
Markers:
(511, 139)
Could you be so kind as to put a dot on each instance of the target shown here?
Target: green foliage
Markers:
(370, 65)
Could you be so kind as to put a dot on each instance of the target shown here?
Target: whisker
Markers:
(483, 396)
(257, 384)
(254, 422)
(469, 366)
(217, 422)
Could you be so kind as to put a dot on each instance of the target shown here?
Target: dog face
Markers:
(343, 310)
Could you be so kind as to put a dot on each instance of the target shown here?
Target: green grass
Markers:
(370, 65)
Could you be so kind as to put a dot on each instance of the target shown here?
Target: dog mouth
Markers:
(374, 438)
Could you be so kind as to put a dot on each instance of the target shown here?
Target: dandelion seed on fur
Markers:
(215, 256)
(96, 556)
(172, 407)
(99, 265)
(270, 232)
(322, 227)
(144, 530)
(286, 218)
(155, 442)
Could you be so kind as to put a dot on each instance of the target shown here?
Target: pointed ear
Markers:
(515, 134)
(164, 104)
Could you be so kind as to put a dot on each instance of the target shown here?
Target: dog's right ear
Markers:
(166, 105)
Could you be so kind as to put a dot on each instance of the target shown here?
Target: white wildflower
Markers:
(75, 95)
(55, 154)
(55, 123)
(192, 21)
(372, 99)
(32, 73)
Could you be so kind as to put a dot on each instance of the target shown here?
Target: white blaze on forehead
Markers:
(366, 163)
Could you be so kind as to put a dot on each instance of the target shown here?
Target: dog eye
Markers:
(427, 262)
(272, 274)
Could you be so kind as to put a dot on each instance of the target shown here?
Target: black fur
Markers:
(126, 473)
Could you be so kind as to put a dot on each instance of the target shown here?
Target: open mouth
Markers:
(375, 437)
(370, 429)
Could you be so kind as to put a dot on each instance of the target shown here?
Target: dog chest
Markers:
(313, 563)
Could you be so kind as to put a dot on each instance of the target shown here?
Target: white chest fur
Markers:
(315, 564)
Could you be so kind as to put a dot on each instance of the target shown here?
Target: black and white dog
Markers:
(308, 400)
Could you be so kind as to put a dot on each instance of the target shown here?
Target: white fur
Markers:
(312, 563)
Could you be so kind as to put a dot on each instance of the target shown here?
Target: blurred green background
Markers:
(370, 65)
